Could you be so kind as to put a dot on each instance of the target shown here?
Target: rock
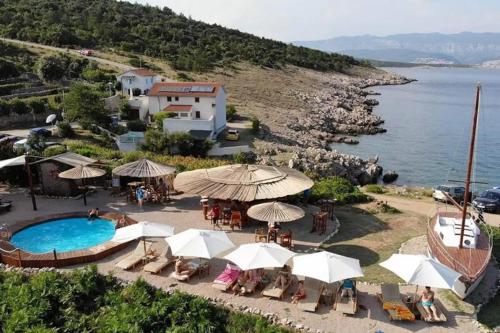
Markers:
(390, 177)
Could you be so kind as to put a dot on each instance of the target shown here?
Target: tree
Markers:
(35, 143)
(136, 91)
(37, 106)
(230, 112)
(7, 69)
(85, 105)
(51, 68)
(155, 141)
(19, 107)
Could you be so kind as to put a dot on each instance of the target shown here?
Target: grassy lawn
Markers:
(372, 237)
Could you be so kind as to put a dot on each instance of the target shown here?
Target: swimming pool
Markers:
(67, 234)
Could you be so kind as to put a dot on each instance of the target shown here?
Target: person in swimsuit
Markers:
(300, 293)
(239, 287)
(427, 301)
(347, 288)
(93, 214)
(283, 278)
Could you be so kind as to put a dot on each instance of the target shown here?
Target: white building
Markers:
(199, 107)
(138, 78)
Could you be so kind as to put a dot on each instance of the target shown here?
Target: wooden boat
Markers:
(455, 239)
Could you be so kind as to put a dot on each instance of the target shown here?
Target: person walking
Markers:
(216, 215)
(139, 195)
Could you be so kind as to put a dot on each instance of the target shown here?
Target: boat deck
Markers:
(471, 263)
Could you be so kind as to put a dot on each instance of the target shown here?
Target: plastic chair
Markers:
(286, 239)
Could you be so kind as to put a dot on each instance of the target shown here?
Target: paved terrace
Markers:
(183, 213)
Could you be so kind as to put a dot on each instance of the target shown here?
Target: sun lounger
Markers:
(439, 307)
(310, 302)
(194, 267)
(163, 261)
(227, 278)
(136, 257)
(276, 292)
(346, 305)
(253, 284)
(392, 302)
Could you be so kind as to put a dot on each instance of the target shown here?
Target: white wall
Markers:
(172, 125)
(220, 111)
(141, 103)
(158, 103)
(130, 80)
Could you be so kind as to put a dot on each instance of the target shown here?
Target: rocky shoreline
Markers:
(338, 112)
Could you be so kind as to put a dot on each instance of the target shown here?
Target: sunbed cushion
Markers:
(229, 275)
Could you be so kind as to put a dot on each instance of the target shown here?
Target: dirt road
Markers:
(72, 52)
(426, 207)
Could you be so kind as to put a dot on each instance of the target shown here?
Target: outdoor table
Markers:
(319, 222)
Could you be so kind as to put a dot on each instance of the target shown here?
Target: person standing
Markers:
(139, 195)
(216, 215)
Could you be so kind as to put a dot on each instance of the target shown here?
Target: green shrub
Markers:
(37, 106)
(136, 91)
(64, 130)
(255, 125)
(230, 112)
(136, 126)
(117, 129)
(19, 107)
(374, 188)
(158, 118)
(337, 188)
(54, 150)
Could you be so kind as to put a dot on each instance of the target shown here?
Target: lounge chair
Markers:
(136, 257)
(392, 302)
(310, 302)
(276, 292)
(227, 278)
(256, 282)
(439, 307)
(194, 267)
(346, 305)
(163, 261)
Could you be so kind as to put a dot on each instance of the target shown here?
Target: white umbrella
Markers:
(260, 255)
(199, 243)
(20, 160)
(142, 229)
(421, 270)
(327, 267)
(50, 118)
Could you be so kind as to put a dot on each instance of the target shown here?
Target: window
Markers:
(183, 115)
(197, 100)
(213, 105)
(197, 115)
(169, 99)
(176, 98)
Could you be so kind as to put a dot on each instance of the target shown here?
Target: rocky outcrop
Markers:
(390, 177)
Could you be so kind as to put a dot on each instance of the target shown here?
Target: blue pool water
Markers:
(64, 235)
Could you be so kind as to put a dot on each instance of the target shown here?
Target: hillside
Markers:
(185, 43)
(461, 48)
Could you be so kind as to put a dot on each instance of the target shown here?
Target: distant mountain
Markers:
(461, 48)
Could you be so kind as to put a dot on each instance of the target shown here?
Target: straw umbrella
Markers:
(260, 255)
(199, 243)
(327, 267)
(82, 172)
(142, 230)
(243, 182)
(143, 168)
(275, 212)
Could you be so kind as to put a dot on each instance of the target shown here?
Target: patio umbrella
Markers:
(421, 270)
(19, 160)
(327, 267)
(82, 172)
(243, 182)
(50, 118)
(199, 243)
(275, 212)
(142, 230)
(143, 168)
(260, 255)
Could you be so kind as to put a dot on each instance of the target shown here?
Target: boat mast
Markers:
(469, 165)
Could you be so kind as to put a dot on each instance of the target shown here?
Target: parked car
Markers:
(232, 135)
(488, 201)
(456, 192)
(41, 131)
(85, 52)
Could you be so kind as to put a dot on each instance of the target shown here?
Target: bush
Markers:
(136, 91)
(117, 129)
(136, 126)
(374, 188)
(37, 106)
(64, 130)
(4, 108)
(54, 150)
(19, 107)
(245, 157)
(158, 118)
(337, 188)
(255, 125)
(230, 112)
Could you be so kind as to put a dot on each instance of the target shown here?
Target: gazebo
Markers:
(82, 172)
(243, 182)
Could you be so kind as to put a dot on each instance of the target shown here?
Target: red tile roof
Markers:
(141, 72)
(160, 89)
(178, 107)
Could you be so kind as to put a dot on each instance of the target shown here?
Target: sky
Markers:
(291, 20)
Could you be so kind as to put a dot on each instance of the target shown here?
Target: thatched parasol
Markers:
(275, 212)
(243, 182)
(143, 168)
(82, 172)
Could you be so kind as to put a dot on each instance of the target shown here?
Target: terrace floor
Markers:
(183, 213)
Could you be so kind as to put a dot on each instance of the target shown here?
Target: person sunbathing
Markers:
(239, 287)
(347, 288)
(299, 294)
(427, 301)
(283, 278)
(182, 267)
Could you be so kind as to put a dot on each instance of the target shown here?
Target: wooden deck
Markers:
(471, 263)
(13, 256)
